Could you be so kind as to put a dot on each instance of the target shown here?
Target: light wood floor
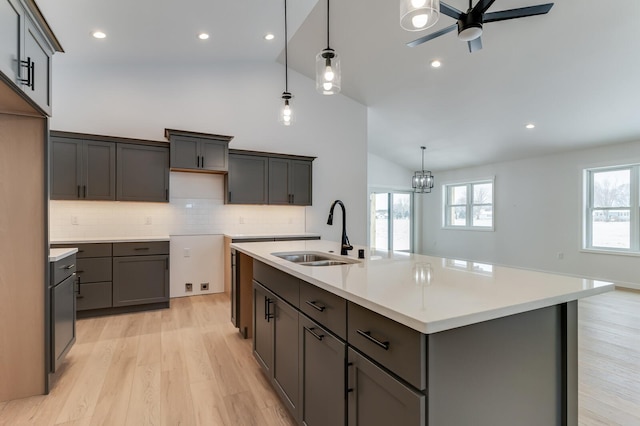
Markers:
(188, 366)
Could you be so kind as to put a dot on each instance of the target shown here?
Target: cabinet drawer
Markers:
(396, 347)
(282, 284)
(62, 269)
(141, 248)
(94, 269)
(325, 308)
(93, 296)
(89, 250)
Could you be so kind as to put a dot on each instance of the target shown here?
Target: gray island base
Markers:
(336, 354)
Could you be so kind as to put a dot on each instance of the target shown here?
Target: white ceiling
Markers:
(573, 72)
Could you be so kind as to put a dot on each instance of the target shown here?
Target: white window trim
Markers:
(634, 211)
(444, 191)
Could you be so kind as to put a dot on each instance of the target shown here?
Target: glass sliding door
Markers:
(391, 221)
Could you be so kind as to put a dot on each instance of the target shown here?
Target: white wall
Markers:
(385, 174)
(538, 214)
(242, 100)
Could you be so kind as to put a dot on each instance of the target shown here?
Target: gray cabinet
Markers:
(11, 15)
(376, 398)
(63, 309)
(247, 181)
(267, 178)
(275, 343)
(141, 276)
(82, 169)
(322, 379)
(26, 47)
(201, 152)
(289, 182)
(142, 173)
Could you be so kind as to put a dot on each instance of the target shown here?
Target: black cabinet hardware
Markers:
(367, 335)
(314, 334)
(30, 80)
(315, 306)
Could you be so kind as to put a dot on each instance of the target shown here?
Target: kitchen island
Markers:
(421, 340)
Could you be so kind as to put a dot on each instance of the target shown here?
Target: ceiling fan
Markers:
(470, 23)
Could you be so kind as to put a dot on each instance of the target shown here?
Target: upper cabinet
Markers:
(289, 182)
(198, 152)
(267, 178)
(82, 169)
(92, 167)
(26, 47)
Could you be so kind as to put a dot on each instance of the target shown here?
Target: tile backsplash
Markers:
(196, 207)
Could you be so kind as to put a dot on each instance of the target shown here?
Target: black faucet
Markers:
(345, 245)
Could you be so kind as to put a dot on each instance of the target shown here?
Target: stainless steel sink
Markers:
(310, 258)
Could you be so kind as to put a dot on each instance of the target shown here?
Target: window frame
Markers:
(469, 205)
(633, 208)
(412, 217)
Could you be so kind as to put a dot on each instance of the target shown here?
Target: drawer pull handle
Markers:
(141, 248)
(315, 306)
(313, 333)
(367, 335)
(73, 265)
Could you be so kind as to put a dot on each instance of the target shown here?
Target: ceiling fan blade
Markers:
(521, 12)
(431, 36)
(450, 11)
(482, 6)
(475, 44)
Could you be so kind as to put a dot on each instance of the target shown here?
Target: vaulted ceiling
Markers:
(573, 72)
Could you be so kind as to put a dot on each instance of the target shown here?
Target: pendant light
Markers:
(286, 115)
(422, 180)
(418, 15)
(328, 68)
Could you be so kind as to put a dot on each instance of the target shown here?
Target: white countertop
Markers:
(60, 253)
(428, 294)
(108, 240)
(281, 235)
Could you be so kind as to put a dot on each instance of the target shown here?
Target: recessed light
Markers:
(203, 36)
(98, 34)
(530, 126)
(436, 63)
(269, 36)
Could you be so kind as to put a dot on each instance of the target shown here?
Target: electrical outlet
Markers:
(204, 286)
(147, 220)
(74, 220)
(188, 287)
(187, 252)
(241, 220)
(560, 255)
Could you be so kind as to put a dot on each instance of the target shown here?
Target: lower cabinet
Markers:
(377, 398)
(324, 378)
(140, 280)
(275, 342)
(322, 361)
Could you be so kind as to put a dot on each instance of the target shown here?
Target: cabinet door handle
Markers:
(267, 309)
(315, 306)
(30, 66)
(166, 194)
(314, 334)
(229, 196)
(367, 335)
(84, 190)
(78, 191)
(68, 266)
(202, 161)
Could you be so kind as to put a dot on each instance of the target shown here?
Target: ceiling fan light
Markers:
(469, 31)
(418, 15)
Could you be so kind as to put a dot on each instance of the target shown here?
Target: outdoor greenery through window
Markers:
(391, 221)
(612, 209)
(469, 205)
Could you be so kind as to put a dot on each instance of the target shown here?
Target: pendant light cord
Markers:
(286, 58)
(328, 1)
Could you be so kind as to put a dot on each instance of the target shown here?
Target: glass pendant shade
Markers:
(286, 113)
(328, 72)
(418, 15)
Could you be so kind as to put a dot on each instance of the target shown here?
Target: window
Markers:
(611, 209)
(469, 205)
(391, 221)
